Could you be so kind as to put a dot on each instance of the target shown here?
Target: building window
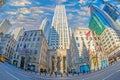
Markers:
(78, 45)
(33, 39)
(25, 34)
(24, 45)
(29, 39)
(22, 39)
(17, 56)
(35, 34)
(19, 39)
(28, 44)
(20, 44)
(76, 38)
(36, 51)
(38, 39)
(95, 38)
(31, 34)
(30, 51)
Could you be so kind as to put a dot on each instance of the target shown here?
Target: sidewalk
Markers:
(53, 76)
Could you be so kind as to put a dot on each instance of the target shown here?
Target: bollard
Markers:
(67, 74)
(61, 75)
(40, 73)
(55, 75)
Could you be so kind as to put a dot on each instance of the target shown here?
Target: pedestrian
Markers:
(61, 75)
(83, 71)
(45, 73)
(73, 74)
(50, 73)
(55, 74)
(78, 73)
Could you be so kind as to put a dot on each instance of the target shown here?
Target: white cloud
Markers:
(84, 8)
(118, 6)
(35, 15)
(71, 4)
(20, 2)
(24, 10)
(82, 13)
(84, 19)
(59, 1)
(20, 17)
(82, 1)
(11, 12)
(70, 16)
(36, 10)
(47, 14)
(12, 21)
(48, 8)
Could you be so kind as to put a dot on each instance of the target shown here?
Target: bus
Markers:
(2, 59)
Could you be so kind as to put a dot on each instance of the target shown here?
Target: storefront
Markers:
(84, 69)
(104, 63)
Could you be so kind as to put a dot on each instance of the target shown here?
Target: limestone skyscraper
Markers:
(59, 41)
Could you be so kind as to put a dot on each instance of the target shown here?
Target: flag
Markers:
(100, 48)
(93, 53)
(88, 50)
(88, 34)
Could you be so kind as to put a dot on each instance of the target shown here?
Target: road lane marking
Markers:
(108, 76)
(12, 75)
(118, 71)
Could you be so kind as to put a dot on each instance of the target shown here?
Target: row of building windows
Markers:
(28, 45)
(30, 34)
(29, 39)
(82, 38)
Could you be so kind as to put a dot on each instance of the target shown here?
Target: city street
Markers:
(9, 72)
(60, 40)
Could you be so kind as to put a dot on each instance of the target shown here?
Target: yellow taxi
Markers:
(2, 59)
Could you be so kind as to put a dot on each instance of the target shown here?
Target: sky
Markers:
(30, 13)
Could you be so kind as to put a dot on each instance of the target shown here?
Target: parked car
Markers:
(74, 71)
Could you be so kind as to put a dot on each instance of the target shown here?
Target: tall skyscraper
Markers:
(17, 32)
(59, 34)
(104, 17)
(7, 46)
(4, 27)
(112, 11)
(59, 41)
(45, 27)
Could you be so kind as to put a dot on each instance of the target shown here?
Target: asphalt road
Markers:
(9, 72)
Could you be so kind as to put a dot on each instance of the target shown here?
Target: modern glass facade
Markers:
(96, 24)
(111, 11)
(105, 19)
